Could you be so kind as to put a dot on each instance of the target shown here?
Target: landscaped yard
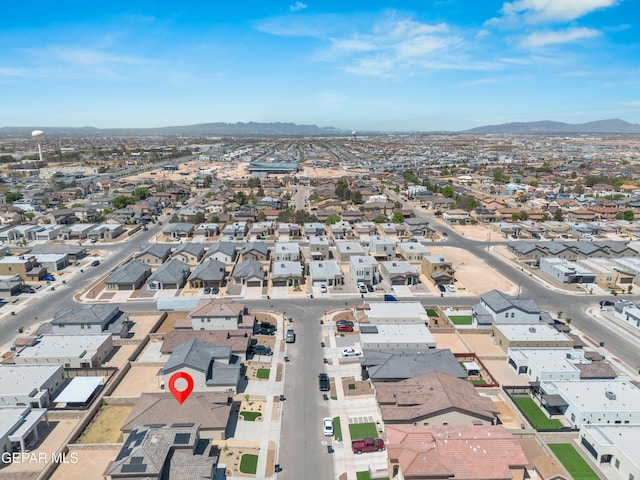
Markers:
(263, 373)
(337, 429)
(249, 463)
(366, 476)
(573, 462)
(461, 319)
(536, 417)
(432, 313)
(250, 416)
(359, 431)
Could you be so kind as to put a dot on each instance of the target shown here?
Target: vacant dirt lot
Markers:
(91, 464)
(139, 379)
(473, 275)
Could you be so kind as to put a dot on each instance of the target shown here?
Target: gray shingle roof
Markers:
(210, 269)
(258, 247)
(227, 248)
(249, 269)
(93, 314)
(398, 364)
(196, 354)
(191, 248)
(171, 272)
(129, 273)
(499, 302)
(157, 250)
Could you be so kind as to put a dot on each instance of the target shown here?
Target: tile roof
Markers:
(461, 452)
(210, 409)
(430, 395)
(237, 339)
(216, 307)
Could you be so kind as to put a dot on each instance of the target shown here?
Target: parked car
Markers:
(323, 381)
(264, 328)
(327, 426)
(350, 352)
(367, 445)
(343, 327)
(28, 289)
(215, 290)
(291, 336)
(207, 291)
(451, 288)
(390, 298)
(95, 263)
(442, 288)
(344, 322)
(261, 350)
(369, 287)
(362, 287)
(323, 288)
(49, 278)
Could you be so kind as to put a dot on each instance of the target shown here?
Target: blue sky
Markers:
(363, 65)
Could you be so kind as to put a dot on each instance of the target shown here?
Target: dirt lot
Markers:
(167, 325)
(91, 464)
(450, 341)
(482, 345)
(473, 275)
(121, 355)
(105, 426)
(142, 324)
(139, 379)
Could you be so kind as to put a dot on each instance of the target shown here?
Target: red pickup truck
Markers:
(367, 445)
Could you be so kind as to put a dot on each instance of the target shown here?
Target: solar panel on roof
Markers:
(182, 439)
(136, 468)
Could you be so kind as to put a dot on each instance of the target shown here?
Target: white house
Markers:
(364, 269)
(547, 364)
(382, 247)
(599, 402)
(565, 271)
(614, 449)
(286, 252)
(498, 307)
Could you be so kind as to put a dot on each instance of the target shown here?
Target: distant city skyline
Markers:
(361, 65)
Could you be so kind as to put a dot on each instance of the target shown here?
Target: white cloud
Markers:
(545, 11)
(296, 7)
(542, 39)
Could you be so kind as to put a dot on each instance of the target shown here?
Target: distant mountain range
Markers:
(249, 129)
(600, 126)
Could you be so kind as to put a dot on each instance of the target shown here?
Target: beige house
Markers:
(24, 265)
(438, 269)
(434, 398)
(539, 335)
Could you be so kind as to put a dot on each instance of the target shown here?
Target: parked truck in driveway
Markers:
(367, 445)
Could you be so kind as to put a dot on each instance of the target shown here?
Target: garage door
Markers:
(254, 283)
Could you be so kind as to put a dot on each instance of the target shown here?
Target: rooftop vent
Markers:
(532, 329)
(610, 395)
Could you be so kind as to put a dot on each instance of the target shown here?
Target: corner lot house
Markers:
(90, 320)
(498, 307)
(130, 276)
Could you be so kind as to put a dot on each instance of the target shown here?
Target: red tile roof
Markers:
(465, 453)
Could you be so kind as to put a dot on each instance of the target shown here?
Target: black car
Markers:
(215, 290)
(95, 263)
(442, 288)
(370, 287)
(261, 350)
(207, 291)
(264, 328)
(324, 383)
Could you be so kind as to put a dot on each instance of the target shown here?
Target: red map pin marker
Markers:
(181, 395)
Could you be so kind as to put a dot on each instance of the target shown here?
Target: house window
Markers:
(506, 315)
(617, 463)
(512, 314)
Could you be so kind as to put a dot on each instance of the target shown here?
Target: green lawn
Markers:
(359, 431)
(478, 382)
(337, 429)
(573, 462)
(432, 313)
(536, 417)
(263, 373)
(461, 319)
(249, 463)
(250, 416)
(365, 476)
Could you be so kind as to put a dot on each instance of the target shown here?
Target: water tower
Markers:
(38, 136)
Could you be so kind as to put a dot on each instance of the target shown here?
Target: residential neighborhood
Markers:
(433, 307)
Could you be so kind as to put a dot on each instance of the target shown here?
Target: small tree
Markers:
(629, 288)
(398, 217)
